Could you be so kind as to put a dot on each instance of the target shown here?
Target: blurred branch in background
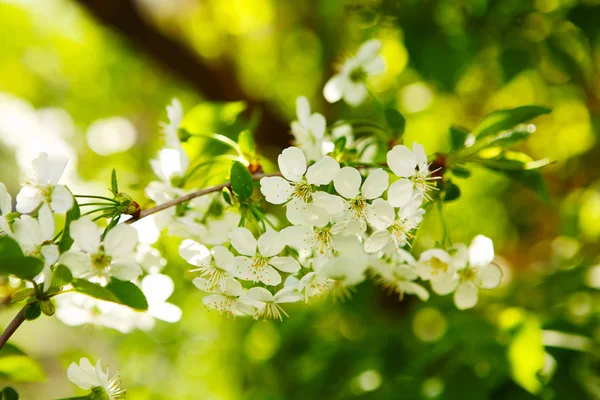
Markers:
(215, 82)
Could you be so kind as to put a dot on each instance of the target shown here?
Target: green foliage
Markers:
(61, 276)
(214, 117)
(14, 262)
(452, 192)
(506, 119)
(66, 241)
(8, 393)
(395, 121)
(458, 137)
(125, 293)
(32, 311)
(17, 366)
(247, 145)
(114, 184)
(241, 181)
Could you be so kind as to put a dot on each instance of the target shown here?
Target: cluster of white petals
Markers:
(87, 377)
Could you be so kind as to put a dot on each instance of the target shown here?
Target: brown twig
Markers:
(12, 327)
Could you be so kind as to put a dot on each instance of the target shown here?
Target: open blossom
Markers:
(271, 308)
(42, 185)
(350, 83)
(87, 377)
(413, 170)
(477, 272)
(5, 208)
(390, 228)
(347, 183)
(259, 261)
(298, 185)
(311, 285)
(397, 273)
(99, 258)
(171, 129)
(309, 130)
(439, 267)
(215, 265)
(230, 300)
(170, 164)
(158, 288)
(347, 268)
(35, 238)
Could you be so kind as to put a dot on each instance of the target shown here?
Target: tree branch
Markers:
(216, 82)
(12, 327)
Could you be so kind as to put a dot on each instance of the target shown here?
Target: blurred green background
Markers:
(91, 78)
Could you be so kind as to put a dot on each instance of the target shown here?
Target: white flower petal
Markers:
(400, 193)
(381, 214)
(323, 171)
(270, 243)
(375, 184)
(317, 125)
(295, 212)
(297, 236)
(28, 232)
(56, 166)
(302, 110)
(402, 161)
(157, 288)
(61, 199)
(377, 241)
(275, 189)
(292, 164)
(28, 199)
(120, 240)
(375, 66)
(125, 270)
(272, 277)
(465, 296)
(46, 221)
(285, 264)
(489, 277)
(355, 94)
(347, 182)
(481, 251)
(165, 312)
(76, 261)
(334, 88)
(419, 153)
(224, 259)
(243, 241)
(50, 253)
(194, 253)
(416, 289)
(5, 200)
(444, 285)
(260, 294)
(86, 234)
(287, 295)
(329, 202)
(368, 50)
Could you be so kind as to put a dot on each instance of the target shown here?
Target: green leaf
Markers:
(21, 368)
(458, 137)
(452, 192)
(13, 262)
(340, 145)
(120, 292)
(247, 144)
(460, 172)
(395, 120)
(509, 138)
(8, 393)
(506, 119)
(32, 311)
(66, 241)
(227, 196)
(531, 179)
(22, 295)
(114, 185)
(11, 350)
(209, 117)
(241, 181)
(61, 276)
(128, 294)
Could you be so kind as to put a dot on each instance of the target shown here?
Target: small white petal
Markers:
(287, 295)
(260, 294)
(402, 161)
(302, 110)
(28, 232)
(285, 264)
(444, 285)
(194, 253)
(76, 261)
(270, 243)
(5, 200)
(375, 66)
(333, 88)
(329, 202)
(165, 312)
(481, 251)
(46, 221)
(317, 125)
(380, 214)
(400, 193)
(489, 277)
(416, 289)
(275, 189)
(28, 199)
(375, 184)
(125, 270)
(272, 277)
(465, 296)
(120, 240)
(347, 182)
(355, 94)
(86, 234)
(243, 241)
(224, 259)
(292, 164)
(368, 50)
(419, 152)
(295, 212)
(323, 171)
(61, 199)
(157, 288)
(377, 241)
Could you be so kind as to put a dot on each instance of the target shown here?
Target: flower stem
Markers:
(12, 327)
(85, 196)
(445, 235)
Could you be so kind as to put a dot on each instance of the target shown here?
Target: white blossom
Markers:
(271, 303)
(171, 129)
(439, 267)
(259, 260)
(157, 289)
(42, 185)
(477, 272)
(309, 130)
(347, 267)
(94, 257)
(215, 265)
(397, 273)
(350, 83)
(392, 228)
(89, 377)
(229, 301)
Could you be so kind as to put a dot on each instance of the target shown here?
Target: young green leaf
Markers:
(32, 311)
(128, 294)
(531, 179)
(13, 262)
(93, 290)
(458, 137)
(61, 276)
(8, 393)
(20, 368)
(395, 120)
(452, 192)
(66, 241)
(506, 119)
(114, 185)
(460, 172)
(241, 181)
(247, 145)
